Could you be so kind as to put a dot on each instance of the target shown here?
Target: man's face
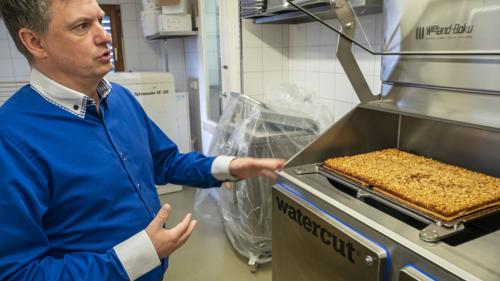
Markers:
(76, 43)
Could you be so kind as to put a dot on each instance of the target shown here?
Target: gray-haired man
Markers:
(79, 159)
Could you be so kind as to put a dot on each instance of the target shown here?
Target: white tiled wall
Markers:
(304, 54)
(13, 65)
(140, 54)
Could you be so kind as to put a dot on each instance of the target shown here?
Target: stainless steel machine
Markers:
(441, 99)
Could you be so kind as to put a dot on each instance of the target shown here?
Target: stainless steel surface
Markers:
(279, 6)
(442, 103)
(410, 273)
(332, 247)
(252, 8)
(473, 108)
(460, 88)
(281, 11)
(436, 232)
(308, 169)
(468, 258)
(361, 130)
(347, 19)
(366, 129)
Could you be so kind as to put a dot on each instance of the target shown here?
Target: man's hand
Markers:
(242, 168)
(164, 240)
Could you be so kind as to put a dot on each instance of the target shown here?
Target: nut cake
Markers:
(444, 191)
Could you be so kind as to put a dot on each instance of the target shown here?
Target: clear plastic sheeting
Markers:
(249, 128)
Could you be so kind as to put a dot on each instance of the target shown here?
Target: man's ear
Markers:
(33, 43)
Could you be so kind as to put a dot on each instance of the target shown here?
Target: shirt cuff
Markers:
(220, 168)
(137, 255)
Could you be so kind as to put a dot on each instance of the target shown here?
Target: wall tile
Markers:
(191, 60)
(150, 47)
(252, 59)
(298, 35)
(298, 78)
(299, 58)
(326, 85)
(286, 58)
(14, 52)
(130, 13)
(272, 36)
(132, 46)
(191, 44)
(312, 34)
(343, 89)
(312, 82)
(252, 82)
(4, 49)
(312, 58)
(252, 34)
(327, 58)
(327, 36)
(131, 28)
(175, 45)
(285, 35)
(22, 69)
(6, 69)
(272, 59)
(271, 81)
(133, 62)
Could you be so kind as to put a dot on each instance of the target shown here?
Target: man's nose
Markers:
(102, 36)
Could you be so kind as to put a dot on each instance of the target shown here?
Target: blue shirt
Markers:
(74, 183)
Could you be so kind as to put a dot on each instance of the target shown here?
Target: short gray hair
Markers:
(31, 14)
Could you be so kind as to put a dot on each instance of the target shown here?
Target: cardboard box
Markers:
(176, 22)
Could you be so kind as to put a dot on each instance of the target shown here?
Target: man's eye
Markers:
(82, 26)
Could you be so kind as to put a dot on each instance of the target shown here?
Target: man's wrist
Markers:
(137, 255)
(221, 168)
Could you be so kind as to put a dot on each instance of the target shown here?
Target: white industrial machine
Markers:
(155, 91)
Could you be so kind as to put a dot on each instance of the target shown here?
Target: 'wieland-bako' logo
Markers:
(343, 248)
(451, 31)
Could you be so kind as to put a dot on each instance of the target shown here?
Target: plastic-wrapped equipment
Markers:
(249, 128)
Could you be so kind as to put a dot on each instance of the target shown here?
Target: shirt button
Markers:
(139, 186)
(76, 107)
(123, 156)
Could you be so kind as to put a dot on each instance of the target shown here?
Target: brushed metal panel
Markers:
(459, 106)
(410, 273)
(442, 26)
(469, 147)
(361, 130)
(309, 245)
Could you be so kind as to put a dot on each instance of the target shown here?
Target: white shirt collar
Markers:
(64, 97)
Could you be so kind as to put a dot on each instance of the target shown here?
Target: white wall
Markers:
(304, 54)
(140, 54)
(13, 65)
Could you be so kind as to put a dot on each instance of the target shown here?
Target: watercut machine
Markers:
(439, 108)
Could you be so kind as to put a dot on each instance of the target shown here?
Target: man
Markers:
(79, 159)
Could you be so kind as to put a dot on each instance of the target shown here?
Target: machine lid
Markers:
(416, 27)
(439, 58)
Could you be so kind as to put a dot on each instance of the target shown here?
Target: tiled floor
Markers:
(207, 255)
